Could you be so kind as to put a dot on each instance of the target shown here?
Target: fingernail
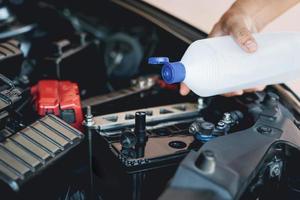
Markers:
(250, 45)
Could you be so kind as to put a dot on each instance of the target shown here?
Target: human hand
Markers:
(240, 26)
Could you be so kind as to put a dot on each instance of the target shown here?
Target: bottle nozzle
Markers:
(172, 72)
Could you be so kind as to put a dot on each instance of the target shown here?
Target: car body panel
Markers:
(203, 14)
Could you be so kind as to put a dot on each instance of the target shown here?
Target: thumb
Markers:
(184, 90)
(243, 37)
(217, 31)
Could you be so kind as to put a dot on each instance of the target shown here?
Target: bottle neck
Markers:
(173, 72)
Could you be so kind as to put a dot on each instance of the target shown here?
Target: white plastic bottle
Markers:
(218, 65)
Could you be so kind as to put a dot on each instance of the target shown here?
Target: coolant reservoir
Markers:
(218, 65)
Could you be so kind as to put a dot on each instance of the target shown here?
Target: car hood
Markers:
(203, 14)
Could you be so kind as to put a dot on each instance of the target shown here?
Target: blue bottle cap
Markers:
(173, 72)
(158, 60)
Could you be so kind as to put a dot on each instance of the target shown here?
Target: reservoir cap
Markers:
(172, 72)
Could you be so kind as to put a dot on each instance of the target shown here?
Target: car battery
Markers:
(60, 98)
(139, 168)
(46, 160)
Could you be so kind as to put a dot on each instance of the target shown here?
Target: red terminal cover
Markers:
(60, 98)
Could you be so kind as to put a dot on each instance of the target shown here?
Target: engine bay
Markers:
(83, 116)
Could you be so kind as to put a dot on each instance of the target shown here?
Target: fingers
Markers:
(216, 31)
(231, 94)
(241, 92)
(238, 26)
(257, 89)
(184, 90)
(243, 37)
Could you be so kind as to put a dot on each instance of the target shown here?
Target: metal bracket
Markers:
(155, 114)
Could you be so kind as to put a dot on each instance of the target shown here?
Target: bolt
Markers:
(89, 117)
(192, 129)
(142, 83)
(201, 103)
(221, 124)
(206, 128)
(227, 115)
(227, 118)
(271, 100)
(150, 82)
(275, 170)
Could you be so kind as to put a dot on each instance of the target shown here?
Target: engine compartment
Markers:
(83, 116)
